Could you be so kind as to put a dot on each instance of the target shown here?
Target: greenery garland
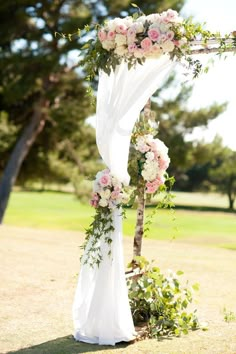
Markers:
(136, 38)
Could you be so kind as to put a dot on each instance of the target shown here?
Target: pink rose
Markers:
(95, 196)
(122, 29)
(131, 32)
(164, 163)
(163, 38)
(117, 189)
(115, 194)
(94, 200)
(146, 44)
(111, 35)
(154, 34)
(102, 35)
(151, 187)
(171, 15)
(132, 47)
(177, 43)
(160, 180)
(105, 180)
(170, 35)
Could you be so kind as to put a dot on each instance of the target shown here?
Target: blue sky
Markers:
(219, 85)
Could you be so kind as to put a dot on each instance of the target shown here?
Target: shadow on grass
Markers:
(67, 345)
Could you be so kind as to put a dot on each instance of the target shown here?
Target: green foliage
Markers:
(165, 202)
(101, 225)
(224, 175)
(160, 300)
(229, 316)
(176, 121)
(35, 65)
(8, 132)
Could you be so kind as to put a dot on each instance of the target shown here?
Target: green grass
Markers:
(54, 210)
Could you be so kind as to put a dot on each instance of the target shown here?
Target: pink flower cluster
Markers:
(156, 161)
(107, 191)
(146, 36)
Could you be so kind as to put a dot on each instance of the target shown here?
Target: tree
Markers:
(223, 175)
(33, 66)
(176, 121)
(36, 80)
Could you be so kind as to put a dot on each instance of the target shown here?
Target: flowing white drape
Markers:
(121, 96)
(101, 311)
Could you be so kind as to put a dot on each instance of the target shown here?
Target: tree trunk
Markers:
(20, 152)
(230, 193)
(137, 246)
(139, 222)
(231, 204)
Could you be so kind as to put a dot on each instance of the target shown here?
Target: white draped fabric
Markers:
(121, 96)
(101, 311)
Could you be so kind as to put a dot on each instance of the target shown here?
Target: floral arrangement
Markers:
(108, 191)
(134, 39)
(108, 194)
(145, 36)
(156, 161)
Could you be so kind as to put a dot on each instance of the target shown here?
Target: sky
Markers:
(219, 84)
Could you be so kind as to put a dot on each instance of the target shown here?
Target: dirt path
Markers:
(38, 279)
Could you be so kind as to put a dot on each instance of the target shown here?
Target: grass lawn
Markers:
(55, 210)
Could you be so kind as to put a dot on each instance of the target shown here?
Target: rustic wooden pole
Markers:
(137, 246)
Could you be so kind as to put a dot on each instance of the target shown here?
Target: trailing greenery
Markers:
(101, 225)
(160, 300)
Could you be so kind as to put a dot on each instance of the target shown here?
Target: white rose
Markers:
(120, 39)
(139, 27)
(121, 50)
(114, 23)
(108, 45)
(128, 21)
(161, 148)
(103, 202)
(164, 27)
(155, 25)
(149, 138)
(142, 19)
(153, 18)
(116, 182)
(168, 46)
(105, 194)
(139, 53)
(150, 170)
(150, 155)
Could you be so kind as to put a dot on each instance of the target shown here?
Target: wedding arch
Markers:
(133, 56)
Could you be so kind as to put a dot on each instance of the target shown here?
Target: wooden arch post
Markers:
(139, 228)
